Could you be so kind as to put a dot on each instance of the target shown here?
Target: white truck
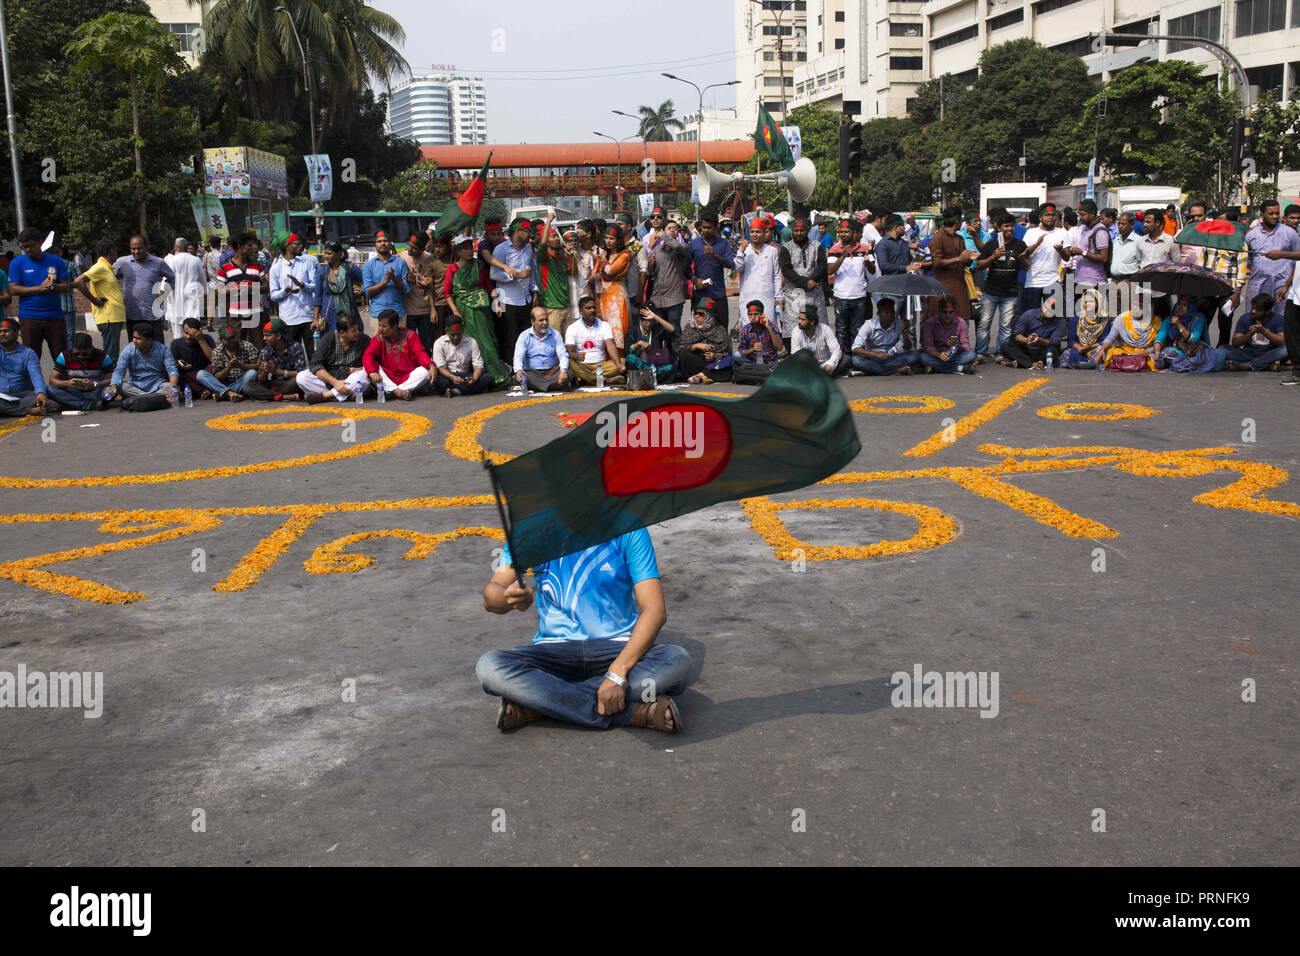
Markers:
(1142, 198)
(1017, 198)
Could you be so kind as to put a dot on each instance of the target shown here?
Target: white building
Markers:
(440, 110)
(1263, 34)
(184, 19)
(870, 55)
(717, 125)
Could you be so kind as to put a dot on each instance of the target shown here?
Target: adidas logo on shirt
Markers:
(606, 567)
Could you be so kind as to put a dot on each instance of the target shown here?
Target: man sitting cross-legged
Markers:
(152, 371)
(760, 347)
(541, 359)
(80, 375)
(395, 358)
(458, 364)
(278, 365)
(590, 342)
(336, 371)
(234, 367)
(883, 345)
(20, 374)
(593, 660)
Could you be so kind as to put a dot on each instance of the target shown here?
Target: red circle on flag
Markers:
(672, 447)
(1216, 227)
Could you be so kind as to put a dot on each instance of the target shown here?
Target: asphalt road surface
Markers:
(334, 718)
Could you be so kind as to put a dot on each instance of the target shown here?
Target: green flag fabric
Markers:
(769, 138)
(640, 461)
(461, 213)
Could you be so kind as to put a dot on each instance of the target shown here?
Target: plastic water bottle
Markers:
(315, 340)
(600, 376)
(1048, 361)
(175, 402)
(379, 393)
(952, 350)
(654, 375)
(189, 397)
(356, 394)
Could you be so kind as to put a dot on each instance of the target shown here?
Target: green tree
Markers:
(145, 51)
(1276, 129)
(1025, 97)
(416, 188)
(345, 42)
(1164, 120)
(658, 123)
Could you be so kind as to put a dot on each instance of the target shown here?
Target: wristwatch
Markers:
(614, 678)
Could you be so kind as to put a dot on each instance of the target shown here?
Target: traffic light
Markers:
(844, 151)
(1241, 140)
(853, 150)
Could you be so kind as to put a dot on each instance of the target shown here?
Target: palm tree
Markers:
(657, 125)
(346, 42)
(141, 47)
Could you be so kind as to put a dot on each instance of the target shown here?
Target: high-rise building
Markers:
(441, 110)
(764, 27)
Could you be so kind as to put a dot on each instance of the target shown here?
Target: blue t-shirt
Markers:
(392, 295)
(26, 271)
(591, 594)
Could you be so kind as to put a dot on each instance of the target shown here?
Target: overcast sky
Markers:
(566, 64)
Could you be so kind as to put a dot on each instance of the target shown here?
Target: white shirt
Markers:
(1045, 263)
(872, 236)
(850, 279)
(185, 297)
(589, 340)
(458, 359)
(823, 345)
(760, 278)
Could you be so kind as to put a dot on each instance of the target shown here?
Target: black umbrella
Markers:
(908, 283)
(1177, 278)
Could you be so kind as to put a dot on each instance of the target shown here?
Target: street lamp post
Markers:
(645, 147)
(13, 124)
(618, 165)
(699, 121)
(317, 209)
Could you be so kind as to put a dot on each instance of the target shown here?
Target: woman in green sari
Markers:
(465, 288)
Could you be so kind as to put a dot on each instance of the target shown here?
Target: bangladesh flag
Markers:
(769, 138)
(644, 460)
(463, 211)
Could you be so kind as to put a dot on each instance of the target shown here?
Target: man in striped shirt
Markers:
(241, 282)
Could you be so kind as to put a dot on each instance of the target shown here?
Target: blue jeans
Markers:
(849, 316)
(1257, 359)
(561, 679)
(70, 320)
(110, 339)
(67, 398)
(1005, 307)
(888, 367)
(210, 381)
(947, 365)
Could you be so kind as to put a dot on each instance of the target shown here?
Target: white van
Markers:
(1019, 199)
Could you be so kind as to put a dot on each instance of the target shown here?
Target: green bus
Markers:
(359, 228)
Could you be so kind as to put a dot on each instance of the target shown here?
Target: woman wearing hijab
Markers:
(334, 289)
(704, 350)
(465, 287)
(1182, 334)
(613, 298)
(1132, 334)
(1086, 330)
(949, 259)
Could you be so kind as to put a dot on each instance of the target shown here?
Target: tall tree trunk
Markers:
(139, 165)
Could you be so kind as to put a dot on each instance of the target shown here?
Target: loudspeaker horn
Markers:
(711, 182)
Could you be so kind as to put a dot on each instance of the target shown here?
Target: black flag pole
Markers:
(501, 511)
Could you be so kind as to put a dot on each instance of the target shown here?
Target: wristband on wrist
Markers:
(614, 678)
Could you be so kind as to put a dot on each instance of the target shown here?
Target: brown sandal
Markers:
(652, 714)
(511, 715)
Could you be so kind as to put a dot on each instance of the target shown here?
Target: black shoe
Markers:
(1292, 379)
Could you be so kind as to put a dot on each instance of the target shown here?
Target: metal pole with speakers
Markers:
(799, 181)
